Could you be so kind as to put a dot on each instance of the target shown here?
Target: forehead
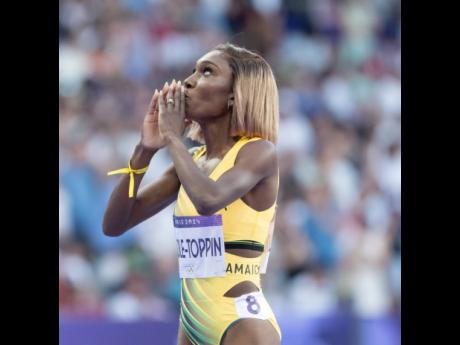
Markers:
(216, 57)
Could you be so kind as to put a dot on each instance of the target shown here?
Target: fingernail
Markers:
(156, 91)
(174, 81)
(179, 83)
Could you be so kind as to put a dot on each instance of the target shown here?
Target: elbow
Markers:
(206, 207)
(111, 231)
(204, 211)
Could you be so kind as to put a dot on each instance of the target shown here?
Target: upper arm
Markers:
(255, 162)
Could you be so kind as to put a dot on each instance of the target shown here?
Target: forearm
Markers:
(118, 213)
(202, 191)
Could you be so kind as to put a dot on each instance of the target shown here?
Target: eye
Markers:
(193, 71)
(207, 71)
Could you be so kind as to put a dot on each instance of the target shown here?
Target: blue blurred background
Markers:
(334, 272)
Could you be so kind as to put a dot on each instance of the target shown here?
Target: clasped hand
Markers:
(171, 119)
(165, 117)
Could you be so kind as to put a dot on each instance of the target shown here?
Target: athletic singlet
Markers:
(206, 314)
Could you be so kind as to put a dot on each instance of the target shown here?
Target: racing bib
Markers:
(200, 243)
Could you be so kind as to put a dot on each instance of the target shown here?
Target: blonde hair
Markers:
(255, 111)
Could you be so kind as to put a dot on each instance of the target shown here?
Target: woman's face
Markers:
(208, 89)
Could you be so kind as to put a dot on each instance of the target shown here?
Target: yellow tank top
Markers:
(241, 223)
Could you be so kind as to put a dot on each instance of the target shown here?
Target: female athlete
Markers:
(225, 193)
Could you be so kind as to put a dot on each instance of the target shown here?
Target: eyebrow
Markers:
(207, 61)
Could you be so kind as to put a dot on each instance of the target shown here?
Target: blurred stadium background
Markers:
(334, 274)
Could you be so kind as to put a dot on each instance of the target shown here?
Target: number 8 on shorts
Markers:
(252, 305)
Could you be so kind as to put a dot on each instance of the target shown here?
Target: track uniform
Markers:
(207, 272)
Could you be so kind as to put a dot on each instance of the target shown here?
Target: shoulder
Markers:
(261, 152)
(258, 147)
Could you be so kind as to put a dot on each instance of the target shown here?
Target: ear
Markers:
(230, 101)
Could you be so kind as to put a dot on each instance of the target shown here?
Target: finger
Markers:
(155, 98)
(153, 102)
(161, 102)
(170, 95)
(177, 97)
(174, 88)
(165, 88)
(182, 100)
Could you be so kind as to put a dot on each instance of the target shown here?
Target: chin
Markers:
(195, 119)
(192, 115)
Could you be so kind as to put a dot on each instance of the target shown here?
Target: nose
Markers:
(189, 82)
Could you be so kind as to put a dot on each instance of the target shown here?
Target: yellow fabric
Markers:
(131, 173)
(206, 313)
(241, 222)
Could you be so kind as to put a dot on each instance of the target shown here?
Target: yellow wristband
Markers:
(131, 173)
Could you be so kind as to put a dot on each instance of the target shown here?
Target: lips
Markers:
(186, 99)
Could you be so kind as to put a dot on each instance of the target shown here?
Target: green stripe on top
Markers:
(245, 244)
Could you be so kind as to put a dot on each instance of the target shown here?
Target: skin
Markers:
(203, 97)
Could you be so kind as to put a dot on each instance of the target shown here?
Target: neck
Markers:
(217, 136)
